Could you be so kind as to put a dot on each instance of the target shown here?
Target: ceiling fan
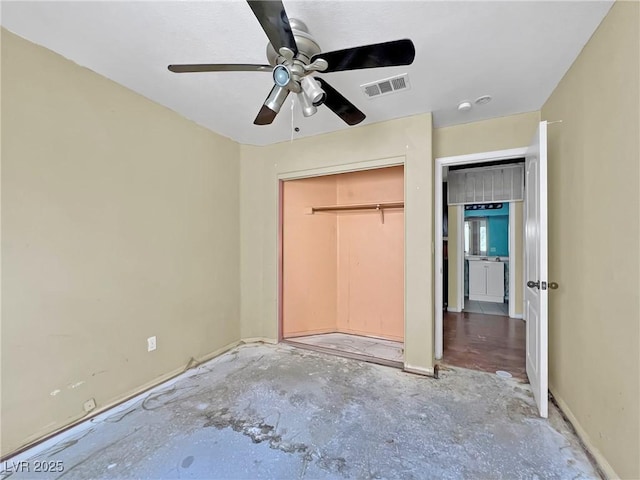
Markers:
(294, 56)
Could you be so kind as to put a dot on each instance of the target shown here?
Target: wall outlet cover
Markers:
(89, 405)
(151, 344)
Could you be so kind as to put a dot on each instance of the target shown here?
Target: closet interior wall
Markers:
(343, 271)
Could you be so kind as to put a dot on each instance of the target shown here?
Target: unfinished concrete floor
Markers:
(263, 411)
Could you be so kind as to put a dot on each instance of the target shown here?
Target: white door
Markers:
(536, 288)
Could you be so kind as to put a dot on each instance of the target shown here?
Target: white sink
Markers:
(478, 258)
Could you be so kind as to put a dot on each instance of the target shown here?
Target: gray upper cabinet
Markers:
(503, 183)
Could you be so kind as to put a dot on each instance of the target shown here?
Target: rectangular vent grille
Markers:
(372, 90)
(386, 86)
(398, 83)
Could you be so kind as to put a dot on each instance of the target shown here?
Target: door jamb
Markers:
(438, 206)
(460, 250)
(512, 261)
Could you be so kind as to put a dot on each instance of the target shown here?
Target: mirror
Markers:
(476, 236)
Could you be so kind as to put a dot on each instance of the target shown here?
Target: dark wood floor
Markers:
(485, 342)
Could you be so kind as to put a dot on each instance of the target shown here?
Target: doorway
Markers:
(535, 261)
(479, 321)
(342, 252)
(486, 257)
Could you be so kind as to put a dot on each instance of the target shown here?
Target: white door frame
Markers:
(513, 260)
(446, 162)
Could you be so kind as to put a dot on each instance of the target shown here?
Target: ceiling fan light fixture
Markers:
(313, 91)
(276, 98)
(281, 76)
(308, 108)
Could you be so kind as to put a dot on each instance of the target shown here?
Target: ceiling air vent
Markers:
(386, 86)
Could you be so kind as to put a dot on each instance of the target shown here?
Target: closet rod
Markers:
(362, 206)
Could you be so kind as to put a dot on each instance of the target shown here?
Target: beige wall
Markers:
(407, 139)
(594, 237)
(120, 221)
(309, 255)
(501, 133)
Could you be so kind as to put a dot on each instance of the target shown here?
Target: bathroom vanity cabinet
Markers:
(486, 280)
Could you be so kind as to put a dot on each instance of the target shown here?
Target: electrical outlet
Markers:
(89, 405)
(151, 344)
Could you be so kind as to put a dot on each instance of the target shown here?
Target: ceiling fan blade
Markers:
(387, 54)
(339, 105)
(219, 67)
(275, 23)
(265, 116)
(271, 105)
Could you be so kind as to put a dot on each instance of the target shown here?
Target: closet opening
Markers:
(482, 267)
(342, 264)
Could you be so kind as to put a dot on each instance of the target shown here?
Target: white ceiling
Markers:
(515, 51)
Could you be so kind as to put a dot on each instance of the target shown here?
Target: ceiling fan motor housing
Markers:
(307, 46)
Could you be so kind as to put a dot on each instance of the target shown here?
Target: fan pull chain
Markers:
(293, 99)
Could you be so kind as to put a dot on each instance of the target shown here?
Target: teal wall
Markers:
(498, 222)
(499, 235)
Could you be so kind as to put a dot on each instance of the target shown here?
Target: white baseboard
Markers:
(455, 310)
(516, 315)
(606, 468)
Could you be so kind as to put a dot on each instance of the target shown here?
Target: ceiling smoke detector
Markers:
(464, 106)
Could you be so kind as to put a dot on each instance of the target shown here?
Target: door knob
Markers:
(532, 284)
(553, 285)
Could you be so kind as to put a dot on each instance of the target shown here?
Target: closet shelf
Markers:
(361, 206)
